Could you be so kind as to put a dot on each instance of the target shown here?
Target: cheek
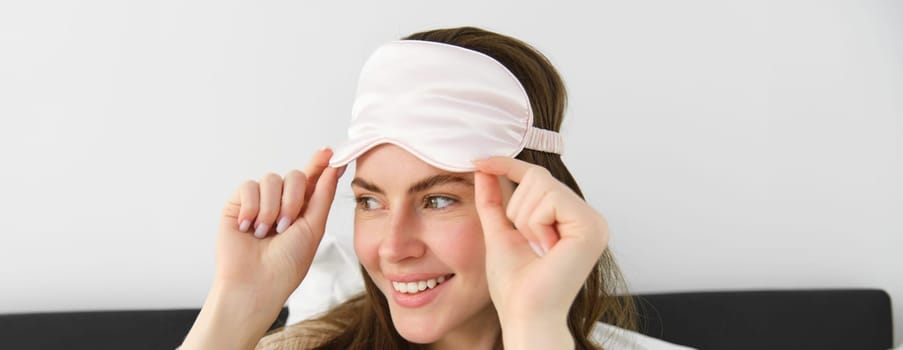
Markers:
(458, 245)
(366, 246)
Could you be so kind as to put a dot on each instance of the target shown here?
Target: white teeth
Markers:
(419, 286)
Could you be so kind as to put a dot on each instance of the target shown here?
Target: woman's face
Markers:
(417, 233)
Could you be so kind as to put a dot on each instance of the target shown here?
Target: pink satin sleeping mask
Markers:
(445, 104)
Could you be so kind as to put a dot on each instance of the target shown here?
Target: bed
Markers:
(767, 319)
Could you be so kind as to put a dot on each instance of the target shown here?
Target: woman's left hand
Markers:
(531, 292)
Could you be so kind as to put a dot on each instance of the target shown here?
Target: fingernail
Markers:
(244, 226)
(261, 230)
(283, 224)
(342, 171)
(536, 249)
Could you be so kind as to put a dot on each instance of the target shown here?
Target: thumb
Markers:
(311, 224)
(498, 231)
(321, 199)
(302, 238)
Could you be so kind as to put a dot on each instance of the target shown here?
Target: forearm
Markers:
(537, 334)
(232, 318)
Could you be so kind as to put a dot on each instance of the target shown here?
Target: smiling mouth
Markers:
(415, 287)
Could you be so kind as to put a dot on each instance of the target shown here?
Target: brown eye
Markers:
(367, 203)
(439, 202)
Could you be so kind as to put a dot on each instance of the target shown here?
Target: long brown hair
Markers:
(364, 322)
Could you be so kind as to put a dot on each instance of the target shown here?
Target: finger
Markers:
(522, 214)
(581, 233)
(572, 220)
(320, 202)
(293, 189)
(528, 204)
(318, 162)
(488, 197)
(513, 169)
(499, 233)
(545, 235)
(530, 238)
(249, 204)
(531, 190)
(270, 200)
(514, 203)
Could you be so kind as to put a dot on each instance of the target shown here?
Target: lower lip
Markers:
(418, 299)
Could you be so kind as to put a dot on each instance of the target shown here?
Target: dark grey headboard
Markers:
(777, 319)
(782, 319)
(138, 329)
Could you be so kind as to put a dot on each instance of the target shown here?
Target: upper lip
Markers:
(414, 277)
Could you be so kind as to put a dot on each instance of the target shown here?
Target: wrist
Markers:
(537, 333)
(233, 317)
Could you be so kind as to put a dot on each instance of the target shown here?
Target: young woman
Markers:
(455, 253)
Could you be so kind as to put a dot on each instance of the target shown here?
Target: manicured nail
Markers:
(244, 226)
(342, 171)
(261, 230)
(283, 224)
(536, 249)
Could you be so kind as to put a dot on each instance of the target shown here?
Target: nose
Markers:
(402, 237)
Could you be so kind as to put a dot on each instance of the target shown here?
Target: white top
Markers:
(615, 338)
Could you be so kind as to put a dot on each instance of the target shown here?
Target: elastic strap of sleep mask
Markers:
(544, 140)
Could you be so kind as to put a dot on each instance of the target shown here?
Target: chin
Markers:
(418, 336)
(416, 330)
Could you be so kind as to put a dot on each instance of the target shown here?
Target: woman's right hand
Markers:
(270, 230)
(255, 276)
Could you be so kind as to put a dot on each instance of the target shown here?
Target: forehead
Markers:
(388, 163)
(389, 158)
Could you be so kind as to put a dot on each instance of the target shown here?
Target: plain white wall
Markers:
(732, 145)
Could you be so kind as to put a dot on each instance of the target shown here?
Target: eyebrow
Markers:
(420, 186)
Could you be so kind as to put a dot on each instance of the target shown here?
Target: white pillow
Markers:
(333, 277)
